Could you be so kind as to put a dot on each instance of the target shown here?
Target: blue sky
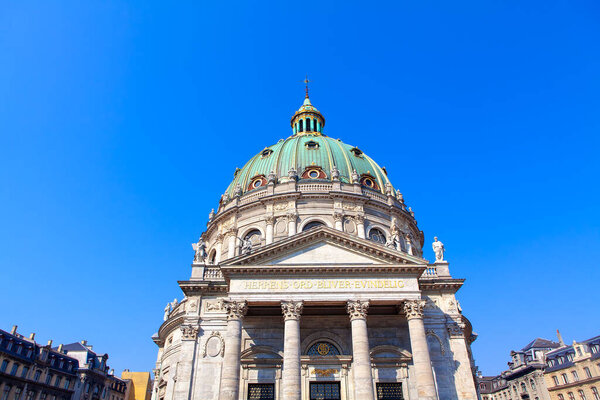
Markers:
(121, 124)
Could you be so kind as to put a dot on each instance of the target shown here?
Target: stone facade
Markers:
(573, 372)
(30, 371)
(314, 284)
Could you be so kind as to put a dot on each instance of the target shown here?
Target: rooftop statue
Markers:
(438, 249)
(200, 249)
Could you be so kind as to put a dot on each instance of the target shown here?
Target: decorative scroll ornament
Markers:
(414, 309)
(189, 332)
(235, 309)
(357, 309)
(338, 216)
(292, 309)
(455, 330)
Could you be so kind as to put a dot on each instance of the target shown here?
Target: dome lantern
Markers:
(307, 120)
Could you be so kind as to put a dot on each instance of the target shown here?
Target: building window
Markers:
(48, 378)
(582, 395)
(24, 372)
(595, 348)
(595, 393)
(312, 224)
(561, 397)
(565, 378)
(532, 384)
(389, 391)
(571, 396)
(377, 236)
(36, 376)
(43, 396)
(555, 379)
(62, 364)
(323, 349)
(588, 374)
(57, 381)
(575, 376)
(19, 349)
(301, 126)
(261, 391)
(523, 387)
(30, 395)
(6, 392)
(254, 237)
(18, 393)
(9, 345)
(14, 369)
(324, 390)
(67, 383)
(29, 352)
(570, 357)
(4, 365)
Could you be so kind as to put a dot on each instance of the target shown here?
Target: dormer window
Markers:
(311, 145)
(356, 151)
(257, 181)
(314, 173)
(266, 153)
(369, 181)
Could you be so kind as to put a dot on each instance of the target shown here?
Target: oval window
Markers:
(313, 174)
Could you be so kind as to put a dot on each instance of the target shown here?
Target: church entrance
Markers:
(325, 391)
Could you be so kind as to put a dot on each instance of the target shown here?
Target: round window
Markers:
(313, 174)
(257, 183)
(368, 182)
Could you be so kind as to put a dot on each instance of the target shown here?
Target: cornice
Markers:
(231, 270)
(193, 287)
(441, 284)
(169, 325)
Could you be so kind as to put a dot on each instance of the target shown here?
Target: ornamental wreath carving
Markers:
(214, 345)
(357, 309)
(413, 309)
(189, 332)
(235, 309)
(292, 309)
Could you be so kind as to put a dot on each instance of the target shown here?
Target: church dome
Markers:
(307, 155)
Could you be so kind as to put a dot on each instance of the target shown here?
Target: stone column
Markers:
(420, 351)
(219, 248)
(231, 243)
(463, 376)
(360, 225)
(292, 217)
(185, 367)
(339, 220)
(269, 233)
(291, 350)
(230, 371)
(361, 356)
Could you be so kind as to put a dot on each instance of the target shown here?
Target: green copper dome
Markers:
(312, 155)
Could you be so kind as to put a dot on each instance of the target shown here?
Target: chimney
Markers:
(32, 336)
(60, 348)
(14, 329)
(50, 343)
(560, 339)
(84, 342)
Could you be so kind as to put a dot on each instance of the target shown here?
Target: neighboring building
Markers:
(141, 384)
(573, 372)
(95, 381)
(118, 389)
(525, 377)
(310, 283)
(29, 371)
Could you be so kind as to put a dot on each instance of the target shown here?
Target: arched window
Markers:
(212, 257)
(323, 349)
(532, 384)
(312, 224)
(308, 125)
(301, 126)
(523, 387)
(254, 236)
(377, 236)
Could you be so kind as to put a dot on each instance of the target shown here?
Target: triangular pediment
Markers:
(324, 246)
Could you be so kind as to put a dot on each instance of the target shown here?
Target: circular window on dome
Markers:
(369, 181)
(257, 182)
(314, 174)
(377, 236)
(254, 236)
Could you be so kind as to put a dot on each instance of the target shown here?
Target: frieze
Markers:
(320, 285)
(324, 373)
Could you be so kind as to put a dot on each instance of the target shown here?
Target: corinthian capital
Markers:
(292, 216)
(291, 309)
(270, 220)
(359, 218)
(338, 216)
(413, 308)
(357, 309)
(235, 309)
(189, 332)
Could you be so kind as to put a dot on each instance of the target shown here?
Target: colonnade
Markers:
(361, 364)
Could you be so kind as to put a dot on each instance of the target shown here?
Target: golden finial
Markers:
(306, 81)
